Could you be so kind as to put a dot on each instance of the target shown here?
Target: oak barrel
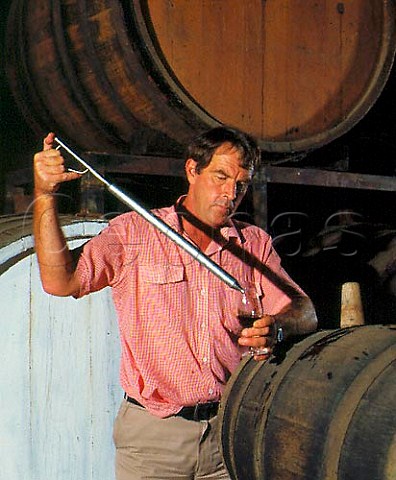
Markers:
(322, 409)
(295, 73)
(59, 367)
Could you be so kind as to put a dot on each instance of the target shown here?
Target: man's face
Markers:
(215, 192)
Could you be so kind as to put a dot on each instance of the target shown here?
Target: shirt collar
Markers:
(228, 231)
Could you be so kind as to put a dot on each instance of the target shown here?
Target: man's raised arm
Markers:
(55, 260)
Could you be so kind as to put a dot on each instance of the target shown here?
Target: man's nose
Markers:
(230, 188)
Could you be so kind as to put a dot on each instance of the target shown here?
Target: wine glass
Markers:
(249, 309)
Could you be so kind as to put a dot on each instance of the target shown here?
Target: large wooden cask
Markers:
(322, 410)
(59, 367)
(295, 73)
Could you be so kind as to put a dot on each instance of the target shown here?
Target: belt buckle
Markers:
(196, 412)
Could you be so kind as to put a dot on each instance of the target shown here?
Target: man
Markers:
(180, 335)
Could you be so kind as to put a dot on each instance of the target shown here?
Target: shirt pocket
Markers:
(163, 274)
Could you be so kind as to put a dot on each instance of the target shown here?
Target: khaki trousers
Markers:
(148, 447)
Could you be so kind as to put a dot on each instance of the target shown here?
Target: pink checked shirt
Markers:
(177, 321)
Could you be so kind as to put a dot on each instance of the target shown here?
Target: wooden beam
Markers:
(140, 164)
(327, 178)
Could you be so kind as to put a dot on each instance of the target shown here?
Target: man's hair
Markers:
(203, 147)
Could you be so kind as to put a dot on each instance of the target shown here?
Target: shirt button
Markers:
(210, 391)
(205, 360)
(203, 292)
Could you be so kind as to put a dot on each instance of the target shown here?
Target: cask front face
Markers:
(60, 361)
(295, 73)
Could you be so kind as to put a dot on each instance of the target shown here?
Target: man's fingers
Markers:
(60, 177)
(49, 141)
(71, 175)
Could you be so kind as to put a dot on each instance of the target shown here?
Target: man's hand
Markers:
(262, 334)
(49, 169)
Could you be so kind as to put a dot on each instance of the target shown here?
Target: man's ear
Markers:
(191, 171)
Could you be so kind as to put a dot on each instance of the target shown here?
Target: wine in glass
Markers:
(249, 310)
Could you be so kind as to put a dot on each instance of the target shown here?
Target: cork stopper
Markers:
(351, 305)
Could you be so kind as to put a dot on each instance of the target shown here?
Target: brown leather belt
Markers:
(198, 412)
